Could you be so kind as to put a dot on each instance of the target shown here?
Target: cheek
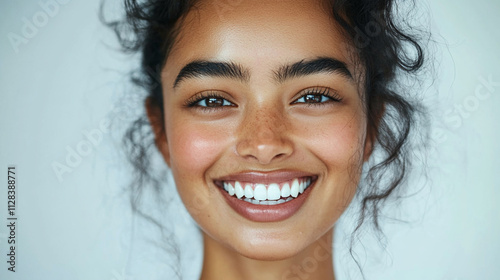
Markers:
(193, 148)
(339, 144)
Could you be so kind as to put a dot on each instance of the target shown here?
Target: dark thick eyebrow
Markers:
(309, 67)
(202, 68)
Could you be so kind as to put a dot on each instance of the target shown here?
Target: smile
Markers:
(266, 197)
(267, 194)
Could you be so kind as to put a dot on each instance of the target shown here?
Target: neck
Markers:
(314, 262)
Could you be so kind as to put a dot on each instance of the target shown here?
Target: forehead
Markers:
(258, 34)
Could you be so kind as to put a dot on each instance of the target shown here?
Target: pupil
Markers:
(313, 98)
(214, 102)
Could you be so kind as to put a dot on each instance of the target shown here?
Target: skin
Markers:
(264, 129)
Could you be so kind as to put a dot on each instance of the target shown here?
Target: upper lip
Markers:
(277, 176)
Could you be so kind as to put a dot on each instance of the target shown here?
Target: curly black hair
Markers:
(387, 50)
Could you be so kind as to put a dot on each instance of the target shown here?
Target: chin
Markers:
(270, 249)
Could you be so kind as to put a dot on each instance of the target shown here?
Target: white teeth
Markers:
(273, 192)
(230, 189)
(307, 183)
(248, 191)
(301, 187)
(294, 190)
(267, 194)
(285, 190)
(267, 202)
(238, 190)
(260, 192)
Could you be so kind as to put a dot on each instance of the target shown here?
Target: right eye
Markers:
(210, 100)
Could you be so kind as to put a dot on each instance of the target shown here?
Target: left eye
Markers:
(313, 98)
(212, 102)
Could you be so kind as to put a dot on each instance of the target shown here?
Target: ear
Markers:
(157, 122)
(372, 132)
(368, 149)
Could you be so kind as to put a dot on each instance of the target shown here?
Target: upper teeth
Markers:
(270, 192)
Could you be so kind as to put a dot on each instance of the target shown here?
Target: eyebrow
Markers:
(202, 68)
(315, 66)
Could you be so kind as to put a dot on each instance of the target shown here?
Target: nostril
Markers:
(264, 151)
(278, 156)
(263, 141)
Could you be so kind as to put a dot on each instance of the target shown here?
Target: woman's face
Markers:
(263, 95)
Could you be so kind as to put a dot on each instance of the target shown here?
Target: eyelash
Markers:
(317, 91)
(193, 101)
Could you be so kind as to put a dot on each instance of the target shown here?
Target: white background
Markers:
(64, 81)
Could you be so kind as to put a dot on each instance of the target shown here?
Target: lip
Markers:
(267, 213)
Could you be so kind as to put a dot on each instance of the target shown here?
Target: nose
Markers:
(263, 137)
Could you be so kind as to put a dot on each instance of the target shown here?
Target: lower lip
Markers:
(267, 213)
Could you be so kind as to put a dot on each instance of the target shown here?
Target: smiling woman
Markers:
(268, 112)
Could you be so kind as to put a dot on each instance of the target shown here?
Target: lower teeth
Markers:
(267, 202)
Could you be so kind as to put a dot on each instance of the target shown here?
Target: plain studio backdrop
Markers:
(61, 77)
